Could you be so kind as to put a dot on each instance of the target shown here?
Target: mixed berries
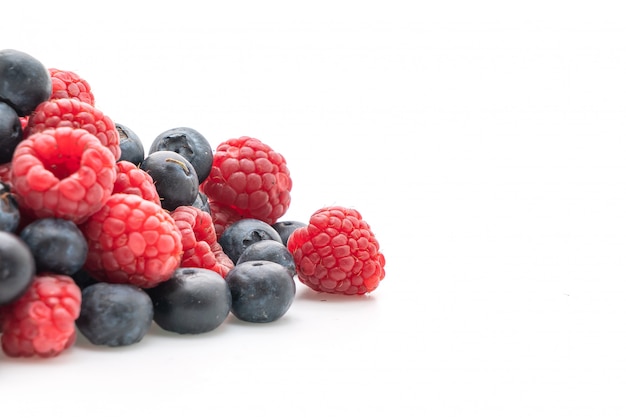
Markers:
(100, 239)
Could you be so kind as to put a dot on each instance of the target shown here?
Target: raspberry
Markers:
(41, 322)
(132, 240)
(250, 178)
(24, 122)
(64, 173)
(133, 180)
(200, 246)
(337, 253)
(67, 84)
(75, 114)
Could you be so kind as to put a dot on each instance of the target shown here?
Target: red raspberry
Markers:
(64, 173)
(200, 246)
(67, 84)
(250, 178)
(75, 114)
(41, 322)
(133, 180)
(337, 253)
(222, 216)
(132, 240)
(24, 122)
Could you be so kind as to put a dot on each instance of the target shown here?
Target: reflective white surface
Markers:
(482, 141)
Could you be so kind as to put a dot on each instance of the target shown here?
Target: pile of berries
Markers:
(99, 237)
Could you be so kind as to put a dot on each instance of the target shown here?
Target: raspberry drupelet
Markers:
(132, 240)
(337, 252)
(42, 321)
(63, 172)
(250, 178)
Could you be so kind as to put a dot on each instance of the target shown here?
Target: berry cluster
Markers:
(99, 237)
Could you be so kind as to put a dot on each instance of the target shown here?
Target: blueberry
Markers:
(189, 143)
(193, 301)
(9, 209)
(24, 81)
(114, 314)
(286, 228)
(202, 202)
(269, 250)
(10, 132)
(57, 244)
(83, 278)
(262, 291)
(239, 235)
(174, 178)
(17, 267)
(130, 144)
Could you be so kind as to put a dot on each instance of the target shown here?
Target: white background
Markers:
(484, 142)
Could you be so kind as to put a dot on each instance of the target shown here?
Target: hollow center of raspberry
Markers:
(62, 166)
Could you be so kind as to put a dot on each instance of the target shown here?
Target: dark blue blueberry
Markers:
(17, 267)
(192, 301)
(189, 143)
(269, 250)
(10, 132)
(174, 178)
(202, 202)
(9, 209)
(130, 144)
(83, 278)
(262, 291)
(57, 245)
(114, 314)
(286, 228)
(24, 81)
(241, 234)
